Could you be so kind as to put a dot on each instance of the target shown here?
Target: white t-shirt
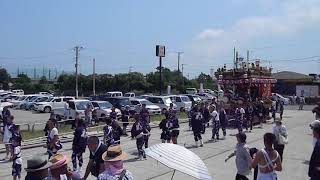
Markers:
(215, 115)
(242, 111)
(7, 135)
(17, 152)
(53, 132)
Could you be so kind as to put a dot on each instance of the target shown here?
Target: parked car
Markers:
(162, 101)
(191, 91)
(206, 97)
(45, 93)
(103, 109)
(130, 94)
(282, 99)
(30, 98)
(16, 102)
(121, 103)
(52, 103)
(18, 91)
(183, 102)
(75, 106)
(152, 108)
(195, 99)
(114, 94)
(30, 104)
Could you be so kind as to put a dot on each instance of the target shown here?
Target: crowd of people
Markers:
(106, 156)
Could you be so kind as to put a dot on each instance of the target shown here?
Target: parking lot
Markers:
(296, 155)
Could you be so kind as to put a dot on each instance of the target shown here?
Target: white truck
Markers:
(52, 103)
(75, 106)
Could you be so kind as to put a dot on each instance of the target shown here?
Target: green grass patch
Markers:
(40, 133)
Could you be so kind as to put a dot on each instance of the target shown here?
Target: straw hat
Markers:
(114, 153)
(58, 161)
(37, 163)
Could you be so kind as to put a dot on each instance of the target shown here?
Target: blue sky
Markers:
(120, 34)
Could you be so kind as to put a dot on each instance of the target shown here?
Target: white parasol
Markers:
(179, 158)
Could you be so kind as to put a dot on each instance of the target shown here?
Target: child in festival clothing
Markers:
(164, 126)
(108, 133)
(79, 144)
(174, 127)
(140, 132)
(16, 158)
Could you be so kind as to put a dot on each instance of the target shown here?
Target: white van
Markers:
(52, 103)
(114, 94)
(75, 106)
(18, 91)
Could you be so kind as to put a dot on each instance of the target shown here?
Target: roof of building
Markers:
(289, 75)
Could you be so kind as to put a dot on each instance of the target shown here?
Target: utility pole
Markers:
(34, 73)
(160, 72)
(247, 60)
(234, 66)
(94, 77)
(77, 49)
(182, 67)
(179, 53)
(49, 74)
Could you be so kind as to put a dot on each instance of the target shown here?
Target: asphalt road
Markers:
(296, 155)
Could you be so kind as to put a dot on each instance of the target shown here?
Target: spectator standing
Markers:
(79, 144)
(37, 168)
(7, 135)
(53, 142)
(88, 114)
(223, 121)
(5, 115)
(243, 158)
(260, 112)
(125, 119)
(301, 102)
(281, 109)
(59, 169)
(314, 164)
(66, 110)
(281, 134)
(250, 115)
(240, 112)
(267, 159)
(114, 166)
(215, 123)
(316, 111)
(95, 165)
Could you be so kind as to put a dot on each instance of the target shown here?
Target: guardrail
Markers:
(25, 124)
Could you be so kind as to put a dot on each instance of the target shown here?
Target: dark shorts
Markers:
(16, 169)
(165, 135)
(175, 133)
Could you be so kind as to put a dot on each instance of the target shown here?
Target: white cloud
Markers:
(210, 33)
(294, 17)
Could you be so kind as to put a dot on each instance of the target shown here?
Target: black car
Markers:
(195, 99)
(120, 103)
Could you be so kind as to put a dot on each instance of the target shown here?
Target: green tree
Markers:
(4, 78)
